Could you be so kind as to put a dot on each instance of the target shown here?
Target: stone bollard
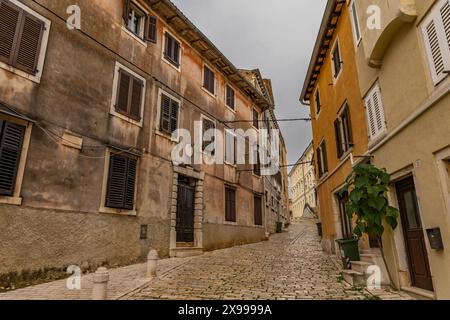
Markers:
(152, 262)
(101, 278)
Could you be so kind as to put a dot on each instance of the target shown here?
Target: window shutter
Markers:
(29, 44)
(166, 107)
(121, 182)
(117, 180)
(230, 97)
(325, 159)
(151, 29)
(10, 150)
(131, 184)
(319, 161)
(258, 211)
(9, 25)
(370, 117)
(339, 142)
(123, 91)
(174, 116)
(136, 99)
(436, 32)
(378, 110)
(126, 10)
(347, 128)
(207, 125)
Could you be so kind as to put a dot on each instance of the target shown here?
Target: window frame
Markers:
(107, 210)
(434, 16)
(379, 133)
(356, 26)
(115, 94)
(229, 132)
(232, 108)
(204, 67)
(134, 6)
(337, 46)
(43, 46)
(15, 198)
(233, 218)
(202, 118)
(163, 50)
(159, 130)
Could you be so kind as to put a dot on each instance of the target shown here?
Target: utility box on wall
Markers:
(435, 238)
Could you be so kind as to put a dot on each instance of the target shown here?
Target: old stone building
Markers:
(87, 122)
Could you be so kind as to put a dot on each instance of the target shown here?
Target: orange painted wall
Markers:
(333, 97)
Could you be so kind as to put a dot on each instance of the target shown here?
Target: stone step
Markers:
(360, 266)
(184, 252)
(354, 278)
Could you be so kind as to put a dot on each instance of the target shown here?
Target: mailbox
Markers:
(435, 238)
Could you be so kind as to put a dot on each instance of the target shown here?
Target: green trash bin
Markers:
(279, 227)
(351, 251)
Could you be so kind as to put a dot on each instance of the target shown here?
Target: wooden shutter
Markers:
(319, 161)
(339, 142)
(126, 11)
(29, 44)
(174, 115)
(324, 155)
(9, 28)
(436, 32)
(136, 99)
(347, 126)
(166, 106)
(230, 97)
(336, 60)
(258, 211)
(10, 151)
(209, 80)
(151, 29)
(255, 119)
(172, 50)
(121, 182)
(230, 205)
(123, 91)
(318, 102)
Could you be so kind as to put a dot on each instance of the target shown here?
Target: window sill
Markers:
(20, 73)
(374, 141)
(230, 223)
(123, 117)
(213, 95)
(166, 136)
(15, 201)
(230, 108)
(134, 36)
(121, 212)
(170, 63)
(233, 166)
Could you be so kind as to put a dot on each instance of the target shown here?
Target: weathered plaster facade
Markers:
(58, 217)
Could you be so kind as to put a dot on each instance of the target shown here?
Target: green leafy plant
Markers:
(367, 186)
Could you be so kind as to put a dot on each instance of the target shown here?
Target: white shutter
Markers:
(375, 112)
(436, 33)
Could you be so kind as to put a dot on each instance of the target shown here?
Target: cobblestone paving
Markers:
(291, 266)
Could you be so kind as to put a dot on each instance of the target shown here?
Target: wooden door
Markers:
(185, 213)
(413, 234)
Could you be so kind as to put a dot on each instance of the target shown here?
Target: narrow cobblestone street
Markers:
(290, 266)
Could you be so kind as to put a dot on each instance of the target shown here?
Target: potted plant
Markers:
(368, 186)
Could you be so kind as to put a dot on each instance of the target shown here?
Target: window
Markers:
(375, 112)
(11, 140)
(317, 101)
(209, 80)
(255, 119)
(121, 182)
(257, 207)
(130, 95)
(337, 62)
(355, 23)
(172, 50)
(257, 166)
(21, 37)
(208, 136)
(322, 162)
(138, 22)
(230, 97)
(230, 204)
(169, 110)
(230, 148)
(436, 33)
(343, 132)
(346, 223)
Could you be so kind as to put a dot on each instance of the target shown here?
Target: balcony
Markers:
(394, 14)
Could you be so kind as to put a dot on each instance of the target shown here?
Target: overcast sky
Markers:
(275, 36)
